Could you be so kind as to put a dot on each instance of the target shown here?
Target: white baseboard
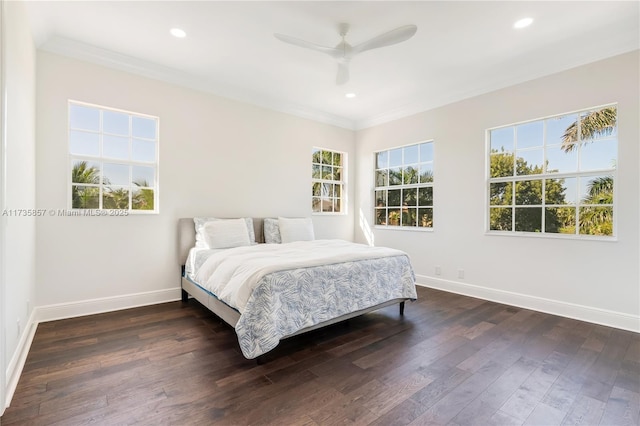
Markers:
(16, 364)
(555, 307)
(105, 304)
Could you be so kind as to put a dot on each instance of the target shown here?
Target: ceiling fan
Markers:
(344, 52)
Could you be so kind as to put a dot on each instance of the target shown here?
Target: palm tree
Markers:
(592, 124)
(82, 196)
(143, 199)
(598, 220)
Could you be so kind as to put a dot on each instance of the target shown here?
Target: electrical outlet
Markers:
(461, 274)
(438, 270)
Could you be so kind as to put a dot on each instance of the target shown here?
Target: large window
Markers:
(555, 175)
(404, 186)
(327, 181)
(113, 159)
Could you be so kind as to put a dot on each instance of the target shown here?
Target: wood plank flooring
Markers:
(451, 360)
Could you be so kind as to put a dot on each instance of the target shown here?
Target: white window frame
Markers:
(103, 159)
(578, 174)
(342, 183)
(427, 184)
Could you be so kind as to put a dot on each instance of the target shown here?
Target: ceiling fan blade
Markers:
(387, 39)
(343, 74)
(308, 45)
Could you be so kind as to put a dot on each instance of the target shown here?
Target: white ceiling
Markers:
(461, 49)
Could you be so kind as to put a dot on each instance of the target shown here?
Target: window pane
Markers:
(529, 162)
(557, 127)
(425, 196)
(115, 122)
(501, 193)
(337, 190)
(394, 197)
(316, 171)
(315, 189)
(115, 174)
(327, 172)
(426, 152)
(394, 217)
(501, 165)
(411, 154)
(85, 197)
(595, 220)
(315, 204)
(410, 175)
(83, 143)
(381, 198)
(327, 205)
(115, 147)
(426, 172)
(327, 157)
(337, 205)
(114, 197)
(382, 178)
(529, 135)
(409, 217)
(85, 172)
(395, 157)
(425, 218)
(316, 156)
(85, 118)
(559, 161)
(395, 176)
(561, 191)
(410, 197)
(142, 199)
(382, 160)
(529, 192)
(381, 216)
(600, 155)
(337, 159)
(502, 139)
(596, 190)
(560, 220)
(500, 218)
(529, 219)
(143, 150)
(143, 176)
(144, 128)
(337, 173)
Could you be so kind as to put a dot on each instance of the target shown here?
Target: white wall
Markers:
(593, 280)
(217, 157)
(19, 232)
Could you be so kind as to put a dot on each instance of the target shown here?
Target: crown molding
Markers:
(107, 58)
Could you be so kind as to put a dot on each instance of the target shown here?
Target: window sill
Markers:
(573, 237)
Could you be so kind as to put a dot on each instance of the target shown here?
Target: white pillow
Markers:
(299, 229)
(226, 233)
(201, 241)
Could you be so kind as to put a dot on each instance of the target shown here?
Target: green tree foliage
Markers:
(592, 125)
(528, 193)
(82, 196)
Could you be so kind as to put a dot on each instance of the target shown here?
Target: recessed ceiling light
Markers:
(521, 23)
(177, 32)
(350, 95)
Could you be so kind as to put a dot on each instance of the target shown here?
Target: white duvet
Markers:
(233, 274)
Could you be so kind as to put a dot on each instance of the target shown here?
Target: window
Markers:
(555, 175)
(404, 186)
(113, 159)
(327, 181)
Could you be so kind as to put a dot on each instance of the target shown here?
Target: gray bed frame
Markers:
(187, 239)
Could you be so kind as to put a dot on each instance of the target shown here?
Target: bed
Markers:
(270, 292)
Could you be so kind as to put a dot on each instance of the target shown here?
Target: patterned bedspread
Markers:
(282, 288)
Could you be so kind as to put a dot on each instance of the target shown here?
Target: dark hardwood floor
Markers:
(451, 360)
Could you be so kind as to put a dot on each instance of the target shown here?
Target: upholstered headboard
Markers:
(187, 236)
